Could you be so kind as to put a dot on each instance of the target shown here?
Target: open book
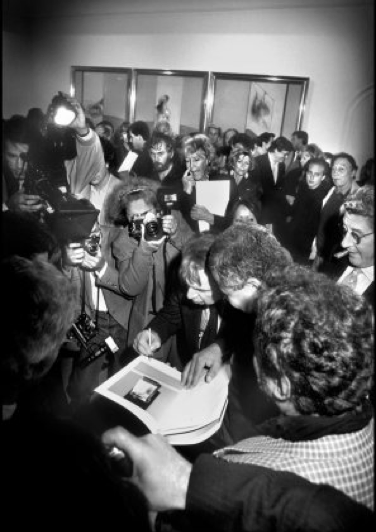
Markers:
(152, 391)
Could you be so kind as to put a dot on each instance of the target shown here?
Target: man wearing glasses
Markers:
(358, 242)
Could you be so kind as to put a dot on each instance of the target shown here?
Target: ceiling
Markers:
(52, 8)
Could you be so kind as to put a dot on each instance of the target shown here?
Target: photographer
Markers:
(16, 143)
(103, 312)
(80, 170)
(143, 259)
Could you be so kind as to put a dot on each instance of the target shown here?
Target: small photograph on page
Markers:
(144, 392)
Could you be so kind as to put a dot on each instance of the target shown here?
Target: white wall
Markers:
(333, 46)
(17, 73)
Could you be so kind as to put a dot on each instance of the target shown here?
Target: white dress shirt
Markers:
(364, 279)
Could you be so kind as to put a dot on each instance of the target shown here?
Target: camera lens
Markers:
(152, 228)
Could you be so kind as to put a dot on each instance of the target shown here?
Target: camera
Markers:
(85, 332)
(69, 218)
(153, 227)
(168, 199)
(92, 244)
(83, 329)
(38, 181)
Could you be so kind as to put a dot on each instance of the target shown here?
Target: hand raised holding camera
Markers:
(92, 262)
(73, 254)
(79, 123)
(169, 224)
(151, 233)
(25, 202)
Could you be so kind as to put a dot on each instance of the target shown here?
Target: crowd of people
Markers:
(106, 259)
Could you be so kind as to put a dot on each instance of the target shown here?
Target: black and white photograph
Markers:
(187, 238)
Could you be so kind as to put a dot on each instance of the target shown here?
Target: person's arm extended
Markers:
(89, 163)
(163, 326)
(169, 318)
(222, 496)
(206, 362)
(226, 496)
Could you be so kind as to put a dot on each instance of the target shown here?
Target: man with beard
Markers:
(166, 166)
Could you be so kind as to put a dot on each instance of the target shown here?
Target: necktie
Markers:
(352, 279)
(208, 334)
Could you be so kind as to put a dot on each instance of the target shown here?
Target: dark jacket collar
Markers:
(300, 428)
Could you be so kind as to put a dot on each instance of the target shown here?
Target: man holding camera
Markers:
(16, 142)
(18, 138)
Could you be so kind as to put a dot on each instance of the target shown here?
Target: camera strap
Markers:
(154, 289)
(83, 293)
(154, 278)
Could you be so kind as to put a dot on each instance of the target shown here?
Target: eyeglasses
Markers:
(355, 236)
(340, 169)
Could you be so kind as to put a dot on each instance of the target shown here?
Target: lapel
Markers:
(268, 173)
(281, 174)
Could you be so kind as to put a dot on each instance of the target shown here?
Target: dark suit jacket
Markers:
(143, 166)
(227, 496)
(187, 201)
(274, 204)
(181, 317)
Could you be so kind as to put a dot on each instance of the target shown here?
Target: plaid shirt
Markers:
(345, 461)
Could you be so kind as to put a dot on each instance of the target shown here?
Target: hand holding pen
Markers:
(147, 342)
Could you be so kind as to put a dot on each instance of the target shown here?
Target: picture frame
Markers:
(260, 110)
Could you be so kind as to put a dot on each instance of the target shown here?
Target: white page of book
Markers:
(197, 435)
(195, 407)
(153, 392)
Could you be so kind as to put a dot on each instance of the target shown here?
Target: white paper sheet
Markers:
(128, 162)
(214, 195)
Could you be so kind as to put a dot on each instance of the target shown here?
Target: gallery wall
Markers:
(333, 46)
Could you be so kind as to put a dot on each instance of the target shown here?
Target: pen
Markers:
(149, 331)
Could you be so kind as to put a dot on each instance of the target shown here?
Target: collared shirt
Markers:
(97, 295)
(205, 316)
(365, 278)
(274, 165)
(344, 460)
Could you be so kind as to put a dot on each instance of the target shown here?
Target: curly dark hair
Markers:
(115, 206)
(158, 137)
(244, 251)
(320, 336)
(362, 203)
